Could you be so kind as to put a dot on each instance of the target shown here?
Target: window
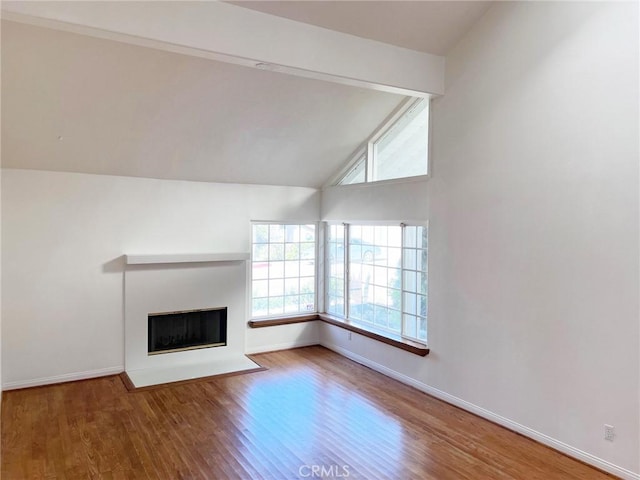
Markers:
(398, 150)
(357, 174)
(402, 150)
(335, 270)
(283, 269)
(414, 285)
(380, 280)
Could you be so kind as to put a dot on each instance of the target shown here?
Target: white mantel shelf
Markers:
(185, 258)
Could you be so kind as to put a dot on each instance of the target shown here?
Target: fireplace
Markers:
(187, 330)
(173, 346)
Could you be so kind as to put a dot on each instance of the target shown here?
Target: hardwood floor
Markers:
(313, 413)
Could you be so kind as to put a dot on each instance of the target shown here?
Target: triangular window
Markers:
(398, 149)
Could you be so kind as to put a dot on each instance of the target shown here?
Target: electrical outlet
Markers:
(609, 432)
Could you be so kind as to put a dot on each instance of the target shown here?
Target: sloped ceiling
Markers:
(81, 104)
(427, 26)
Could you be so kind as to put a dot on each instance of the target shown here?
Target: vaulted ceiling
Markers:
(77, 103)
(81, 104)
(426, 26)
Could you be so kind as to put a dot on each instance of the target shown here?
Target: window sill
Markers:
(383, 337)
(274, 322)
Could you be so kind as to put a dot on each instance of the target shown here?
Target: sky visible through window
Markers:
(400, 152)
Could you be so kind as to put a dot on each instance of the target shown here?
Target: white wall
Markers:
(63, 238)
(0, 304)
(268, 339)
(533, 214)
(384, 202)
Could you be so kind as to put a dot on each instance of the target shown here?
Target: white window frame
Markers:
(346, 249)
(317, 270)
(327, 266)
(367, 150)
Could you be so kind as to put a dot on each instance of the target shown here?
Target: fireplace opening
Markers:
(187, 330)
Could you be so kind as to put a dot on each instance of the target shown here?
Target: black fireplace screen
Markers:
(187, 330)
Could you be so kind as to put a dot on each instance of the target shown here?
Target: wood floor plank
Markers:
(312, 413)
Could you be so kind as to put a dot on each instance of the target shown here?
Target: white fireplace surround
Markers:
(177, 282)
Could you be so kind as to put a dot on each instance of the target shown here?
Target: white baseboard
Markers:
(481, 412)
(458, 402)
(280, 346)
(67, 377)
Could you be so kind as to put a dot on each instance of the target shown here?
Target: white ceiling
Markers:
(81, 104)
(427, 26)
